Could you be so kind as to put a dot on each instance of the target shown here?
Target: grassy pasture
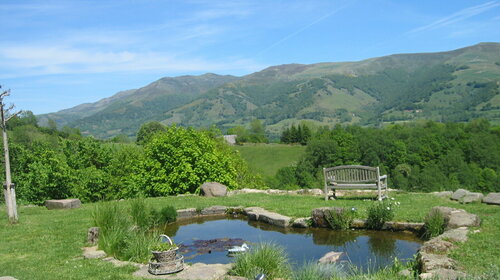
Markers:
(266, 159)
(46, 244)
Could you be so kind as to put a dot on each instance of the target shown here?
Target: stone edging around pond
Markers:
(317, 218)
(432, 257)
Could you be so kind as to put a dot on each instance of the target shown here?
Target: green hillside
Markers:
(455, 86)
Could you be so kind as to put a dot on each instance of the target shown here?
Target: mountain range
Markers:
(457, 85)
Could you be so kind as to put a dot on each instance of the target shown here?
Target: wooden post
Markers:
(9, 189)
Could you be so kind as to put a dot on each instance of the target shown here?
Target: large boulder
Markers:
(187, 213)
(492, 198)
(472, 197)
(430, 261)
(213, 189)
(458, 194)
(455, 218)
(455, 235)
(444, 194)
(214, 210)
(319, 218)
(62, 203)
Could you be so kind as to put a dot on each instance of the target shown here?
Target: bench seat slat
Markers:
(354, 185)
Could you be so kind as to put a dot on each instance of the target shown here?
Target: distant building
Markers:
(230, 139)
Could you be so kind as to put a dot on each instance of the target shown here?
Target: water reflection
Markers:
(365, 249)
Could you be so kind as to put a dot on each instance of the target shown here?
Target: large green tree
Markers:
(180, 159)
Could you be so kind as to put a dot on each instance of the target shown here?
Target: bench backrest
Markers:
(352, 174)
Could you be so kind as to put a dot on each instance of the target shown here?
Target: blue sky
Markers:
(61, 53)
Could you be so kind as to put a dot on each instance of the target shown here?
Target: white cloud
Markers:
(44, 60)
(457, 17)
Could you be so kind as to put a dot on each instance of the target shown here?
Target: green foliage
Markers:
(300, 134)
(340, 218)
(163, 246)
(424, 157)
(180, 160)
(139, 213)
(434, 224)
(256, 133)
(164, 215)
(379, 213)
(266, 258)
(147, 131)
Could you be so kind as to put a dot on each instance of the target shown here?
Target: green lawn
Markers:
(266, 159)
(46, 244)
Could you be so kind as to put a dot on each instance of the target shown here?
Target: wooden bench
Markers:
(352, 177)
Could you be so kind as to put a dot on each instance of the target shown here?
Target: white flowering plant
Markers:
(381, 212)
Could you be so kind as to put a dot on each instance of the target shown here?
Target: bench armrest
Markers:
(383, 177)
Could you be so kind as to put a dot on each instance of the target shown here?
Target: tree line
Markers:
(420, 156)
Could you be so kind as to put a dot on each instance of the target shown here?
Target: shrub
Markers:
(434, 224)
(379, 213)
(163, 216)
(340, 218)
(179, 160)
(266, 258)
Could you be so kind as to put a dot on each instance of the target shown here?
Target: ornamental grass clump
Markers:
(434, 224)
(127, 233)
(379, 213)
(340, 218)
(266, 258)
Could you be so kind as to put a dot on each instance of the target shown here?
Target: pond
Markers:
(363, 248)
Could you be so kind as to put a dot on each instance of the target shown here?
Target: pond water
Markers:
(206, 240)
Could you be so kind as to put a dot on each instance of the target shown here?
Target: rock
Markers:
(444, 194)
(301, 223)
(492, 198)
(93, 253)
(187, 213)
(472, 197)
(443, 274)
(210, 189)
(429, 261)
(463, 219)
(436, 246)
(197, 271)
(253, 212)
(93, 235)
(406, 273)
(455, 235)
(318, 216)
(330, 257)
(63, 203)
(358, 224)
(214, 210)
(455, 218)
(402, 226)
(7, 278)
(458, 194)
(315, 192)
(274, 219)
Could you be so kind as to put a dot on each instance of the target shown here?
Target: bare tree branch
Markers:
(13, 115)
